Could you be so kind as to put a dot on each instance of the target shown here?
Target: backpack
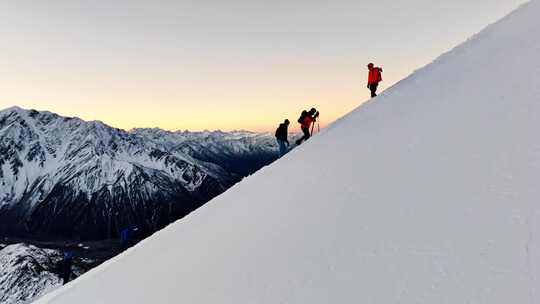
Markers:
(281, 132)
(277, 132)
(302, 116)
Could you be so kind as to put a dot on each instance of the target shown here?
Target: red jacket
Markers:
(374, 76)
(306, 123)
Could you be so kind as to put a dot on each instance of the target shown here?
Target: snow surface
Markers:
(426, 194)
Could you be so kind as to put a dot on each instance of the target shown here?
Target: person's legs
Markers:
(307, 133)
(373, 88)
(305, 137)
(282, 147)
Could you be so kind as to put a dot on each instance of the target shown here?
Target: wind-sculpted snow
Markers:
(428, 193)
(65, 177)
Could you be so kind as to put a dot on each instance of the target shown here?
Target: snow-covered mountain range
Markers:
(65, 177)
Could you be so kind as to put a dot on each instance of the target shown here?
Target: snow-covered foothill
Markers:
(27, 272)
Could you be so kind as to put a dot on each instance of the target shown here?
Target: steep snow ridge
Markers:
(426, 194)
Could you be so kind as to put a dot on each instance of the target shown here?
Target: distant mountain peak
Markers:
(11, 109)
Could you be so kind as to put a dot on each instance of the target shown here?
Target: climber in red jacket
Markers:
(305, 121)
(374, 77)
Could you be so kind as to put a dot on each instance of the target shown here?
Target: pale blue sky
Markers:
(219, 64)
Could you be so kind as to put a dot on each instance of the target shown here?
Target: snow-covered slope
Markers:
(65, 177)
(426, 194)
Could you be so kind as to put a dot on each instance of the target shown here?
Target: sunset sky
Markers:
(235, 64)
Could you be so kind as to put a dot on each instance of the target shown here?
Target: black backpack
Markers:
(302, 116)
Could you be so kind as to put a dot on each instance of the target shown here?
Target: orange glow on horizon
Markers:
(206, 104)
(223, 109)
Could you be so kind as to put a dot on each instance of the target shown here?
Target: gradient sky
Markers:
(234, 64)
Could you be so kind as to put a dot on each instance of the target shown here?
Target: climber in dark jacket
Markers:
(282, 132)
(128, 236)
(64, 267)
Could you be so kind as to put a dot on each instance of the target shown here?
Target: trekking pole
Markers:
(313, 124)
(318, 128)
